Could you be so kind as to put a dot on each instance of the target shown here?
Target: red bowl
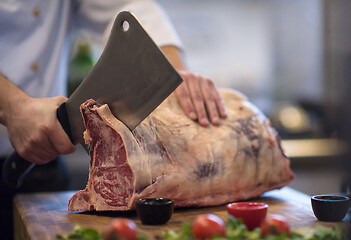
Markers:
(251, 213)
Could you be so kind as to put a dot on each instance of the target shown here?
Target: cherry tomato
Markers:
(121, 228)
(275, 225)
(207, 226)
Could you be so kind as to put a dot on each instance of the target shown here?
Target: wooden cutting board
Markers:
(43, 215)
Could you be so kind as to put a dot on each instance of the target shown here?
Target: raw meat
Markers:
(169, 155)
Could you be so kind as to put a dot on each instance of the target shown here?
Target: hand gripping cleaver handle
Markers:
(16, 168)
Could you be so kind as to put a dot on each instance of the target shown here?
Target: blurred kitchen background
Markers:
(291, 58)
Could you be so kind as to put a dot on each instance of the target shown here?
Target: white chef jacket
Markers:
(35, 38)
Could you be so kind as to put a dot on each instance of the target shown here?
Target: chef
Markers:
(34, 46)
(35, 38)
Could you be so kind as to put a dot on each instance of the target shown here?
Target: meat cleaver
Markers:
(132, 76)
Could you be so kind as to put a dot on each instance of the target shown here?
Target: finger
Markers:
(52, 152)
(34, 158)
(185, 102)
(49, 149)
(60, 100)
(41, 157)
(218, 100)
(210, 102)
(197, 98)
(37, 148)
(35, 155)
(44, 152)
(60, 139)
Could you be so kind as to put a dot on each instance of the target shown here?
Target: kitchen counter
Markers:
(43, 215)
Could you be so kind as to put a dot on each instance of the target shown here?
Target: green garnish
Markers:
(80, 233)
(184, 233)
(236, 230)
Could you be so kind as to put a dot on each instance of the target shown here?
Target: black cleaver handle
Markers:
(62, 116)
(16, 168)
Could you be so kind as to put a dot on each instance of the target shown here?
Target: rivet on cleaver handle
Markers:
(16, 168)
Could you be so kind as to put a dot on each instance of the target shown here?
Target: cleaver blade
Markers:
(132, 76)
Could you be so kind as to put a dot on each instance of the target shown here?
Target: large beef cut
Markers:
(169, 155)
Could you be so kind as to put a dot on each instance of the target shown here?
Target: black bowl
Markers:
(154, 211)
(330, 208)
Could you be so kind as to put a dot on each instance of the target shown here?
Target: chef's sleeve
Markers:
(96, 17)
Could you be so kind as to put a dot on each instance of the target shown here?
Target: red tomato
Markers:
(275, 225)
(121, 228)
(207, 226)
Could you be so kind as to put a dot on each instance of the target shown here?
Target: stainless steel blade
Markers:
(132, 76)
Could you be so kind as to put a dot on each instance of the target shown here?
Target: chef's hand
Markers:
(200, 99)
(34, 130)
(197, 95)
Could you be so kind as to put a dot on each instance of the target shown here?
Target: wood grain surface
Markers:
(43, 215)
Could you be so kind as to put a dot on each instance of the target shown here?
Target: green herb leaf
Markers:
(184, 234)
(80, 233)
